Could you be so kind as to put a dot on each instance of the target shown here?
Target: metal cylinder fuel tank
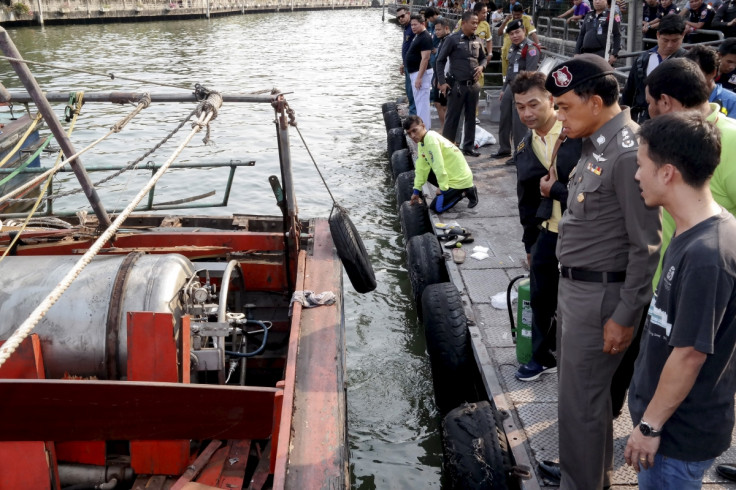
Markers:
(84, 333)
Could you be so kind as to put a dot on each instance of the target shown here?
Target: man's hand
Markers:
(478, 72)
(640, 450)
(415, 199)
(444, 88)
(418, 83)
(616, 338)
(546, 183)
(401, 68)
(612, 59)
(529, 260)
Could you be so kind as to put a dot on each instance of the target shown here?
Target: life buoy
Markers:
(426, 265)
(396, 140)
(351, 251)
(401, 162)
(414, 219)
(448, 345)
(474, 448)
(388, 106)
(392, 120)
(404, 187)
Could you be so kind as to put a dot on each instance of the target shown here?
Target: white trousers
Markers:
(421, 96)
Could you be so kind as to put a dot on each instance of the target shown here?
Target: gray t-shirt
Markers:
(694, 306)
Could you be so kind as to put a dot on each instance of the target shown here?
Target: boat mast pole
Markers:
(26, 77)
(290, 212)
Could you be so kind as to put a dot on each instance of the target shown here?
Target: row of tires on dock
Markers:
(474, 444)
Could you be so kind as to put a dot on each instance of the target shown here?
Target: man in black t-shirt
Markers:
(681, 397)
(417, 65)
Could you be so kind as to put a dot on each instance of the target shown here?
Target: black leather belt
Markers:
(466, 83)
(592, 276)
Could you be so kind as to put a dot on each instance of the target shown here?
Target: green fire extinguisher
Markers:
(521, 329)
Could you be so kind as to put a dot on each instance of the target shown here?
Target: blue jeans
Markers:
(410, 94)
(674, 474)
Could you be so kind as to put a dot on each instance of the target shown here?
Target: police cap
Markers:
(513, 25)
(569, 74)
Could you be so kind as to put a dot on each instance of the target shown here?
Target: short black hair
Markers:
(705, 56)
(517, 7)
(442, 21)
(527, 80)
(606, 87)
(411, 121)
(406, 9)
(492, 6)
(727, 47)
(431, 12)
(418, 17)
(687, 141)
(681, 79)
(672, 24)
(467, 15)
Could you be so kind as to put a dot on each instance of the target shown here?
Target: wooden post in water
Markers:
(40, 12)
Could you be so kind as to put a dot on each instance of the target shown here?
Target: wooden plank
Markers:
(318, 450)
(262, 470)
(199, 463)
(63, 410)
(211, 472)
(233, 474)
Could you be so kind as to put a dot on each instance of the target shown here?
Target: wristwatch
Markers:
(648, 431)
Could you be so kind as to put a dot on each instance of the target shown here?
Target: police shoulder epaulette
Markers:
(626, 138)
(521, 146)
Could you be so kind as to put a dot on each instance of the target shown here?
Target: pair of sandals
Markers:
(455, 236)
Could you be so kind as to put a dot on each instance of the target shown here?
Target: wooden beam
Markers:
(64, 410)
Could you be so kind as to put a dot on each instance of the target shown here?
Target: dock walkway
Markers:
(532, 427)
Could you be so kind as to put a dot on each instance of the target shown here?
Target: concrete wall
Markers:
(79, 11)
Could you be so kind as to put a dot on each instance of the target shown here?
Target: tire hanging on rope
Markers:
(351, 251)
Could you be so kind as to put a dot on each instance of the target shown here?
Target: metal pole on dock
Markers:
(26, 77)
(40, 12)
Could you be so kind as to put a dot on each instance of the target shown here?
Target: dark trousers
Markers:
(544, 277)
(622, 376)
(410, 95)
(461, 97)
(446, 200)
(509, 123)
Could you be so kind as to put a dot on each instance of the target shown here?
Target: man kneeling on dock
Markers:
(440, 156)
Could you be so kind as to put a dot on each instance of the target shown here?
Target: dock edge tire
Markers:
(414, 219)
(351, 251)
(404, 187)
(389, 106)
(392, 120)
(401, 161)
(396, 140)
(473, 455)
(426, 265)
(448, 344)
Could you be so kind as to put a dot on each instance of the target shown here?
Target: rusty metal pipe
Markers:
(128, 97)
(29, 82)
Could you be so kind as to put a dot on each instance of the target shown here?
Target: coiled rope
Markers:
(27, 326)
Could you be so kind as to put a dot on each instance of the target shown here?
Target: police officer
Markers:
(523, 56)
(725, 18)
(608, 249)
(544, 160)
(467, 61)
(594, 31)
(699, 16)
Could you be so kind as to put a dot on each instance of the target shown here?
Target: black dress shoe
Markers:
(471, 153)
(551, 471)
(501, 154)
(727, 471)
(510, 161)
(472, 195)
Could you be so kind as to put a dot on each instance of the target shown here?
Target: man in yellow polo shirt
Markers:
(517, 13)
(544, 161)
(438, 155)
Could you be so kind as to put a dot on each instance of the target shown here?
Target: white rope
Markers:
(115, 129)
(27, 326)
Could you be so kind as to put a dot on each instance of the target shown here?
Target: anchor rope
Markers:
(27, 326)
(142, 104)
(22, 140)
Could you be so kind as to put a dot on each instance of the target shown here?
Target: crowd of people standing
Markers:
(627, 201)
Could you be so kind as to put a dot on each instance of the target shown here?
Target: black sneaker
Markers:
(472, 195)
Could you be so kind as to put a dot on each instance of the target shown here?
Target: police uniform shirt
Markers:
(543, 147)
(703, 14)
(726, 12)
(662, 11)
(650, 13)
(607, 227)
(594, 33)
(465, 55)
(522, 57)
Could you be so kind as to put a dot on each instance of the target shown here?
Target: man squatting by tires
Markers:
(440, 158)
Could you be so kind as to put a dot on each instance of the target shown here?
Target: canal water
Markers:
(338, 67)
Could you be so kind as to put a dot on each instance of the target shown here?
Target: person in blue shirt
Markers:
(404, 16)
(707, 59)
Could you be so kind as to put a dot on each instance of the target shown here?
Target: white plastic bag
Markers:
(483, 137)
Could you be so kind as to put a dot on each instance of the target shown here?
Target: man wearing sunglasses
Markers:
(404, 17)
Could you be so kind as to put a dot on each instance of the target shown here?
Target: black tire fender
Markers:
(388, 106)
(396, 140)
(404, 187)
(351, 251)
(392, 120)
(401, 161)
(414, 219)
(426, 265)
(473, 454)
(448, 345)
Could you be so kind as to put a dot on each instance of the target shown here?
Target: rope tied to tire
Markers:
(209, 102)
